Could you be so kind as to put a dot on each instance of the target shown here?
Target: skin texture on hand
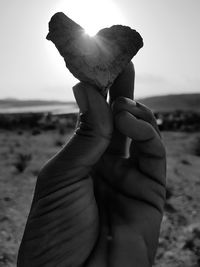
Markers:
(99, 201)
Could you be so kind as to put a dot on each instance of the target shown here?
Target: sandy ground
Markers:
(22, 154)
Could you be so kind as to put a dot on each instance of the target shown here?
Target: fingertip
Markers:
(124, 84)
(81, 97)
(131, 126)
(123, 103)
(95, 109)
(87, 97)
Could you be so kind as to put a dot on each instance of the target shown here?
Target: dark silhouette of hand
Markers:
(99, 201)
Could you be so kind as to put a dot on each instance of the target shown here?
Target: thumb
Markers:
(63, 221)
(93, 109)
(94, 130)
(87, 144)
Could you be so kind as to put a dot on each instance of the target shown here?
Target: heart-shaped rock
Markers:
(96, 60)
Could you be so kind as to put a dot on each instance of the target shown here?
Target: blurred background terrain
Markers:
(31, 131)
(38, 129)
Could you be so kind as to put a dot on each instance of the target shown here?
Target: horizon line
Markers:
(73, 101)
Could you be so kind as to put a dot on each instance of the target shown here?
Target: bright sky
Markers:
(31, 67)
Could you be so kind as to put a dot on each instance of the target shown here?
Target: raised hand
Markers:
(99, 201)
(129, 183)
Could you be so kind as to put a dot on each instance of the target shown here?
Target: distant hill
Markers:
(10, 102)
(184, 102)
(34, 106)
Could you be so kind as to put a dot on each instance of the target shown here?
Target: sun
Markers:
(92, 15)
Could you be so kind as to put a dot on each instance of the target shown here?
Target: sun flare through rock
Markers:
(93, 15)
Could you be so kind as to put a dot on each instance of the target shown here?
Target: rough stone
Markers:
(96, 60)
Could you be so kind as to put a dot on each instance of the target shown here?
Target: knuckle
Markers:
(149, 115)
(163, 151)
(160, 148)
(122, 115)
(120, 103)
(149, 132)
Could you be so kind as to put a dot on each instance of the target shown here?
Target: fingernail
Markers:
(80, 95)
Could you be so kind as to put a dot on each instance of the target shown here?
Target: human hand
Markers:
(64, 218)
(63, 223)
(129, 183)
(130, 193)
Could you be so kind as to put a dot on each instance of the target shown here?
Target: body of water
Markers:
(54, 109)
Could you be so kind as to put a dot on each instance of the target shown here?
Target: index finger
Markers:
(146, 149)
(123, 86)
